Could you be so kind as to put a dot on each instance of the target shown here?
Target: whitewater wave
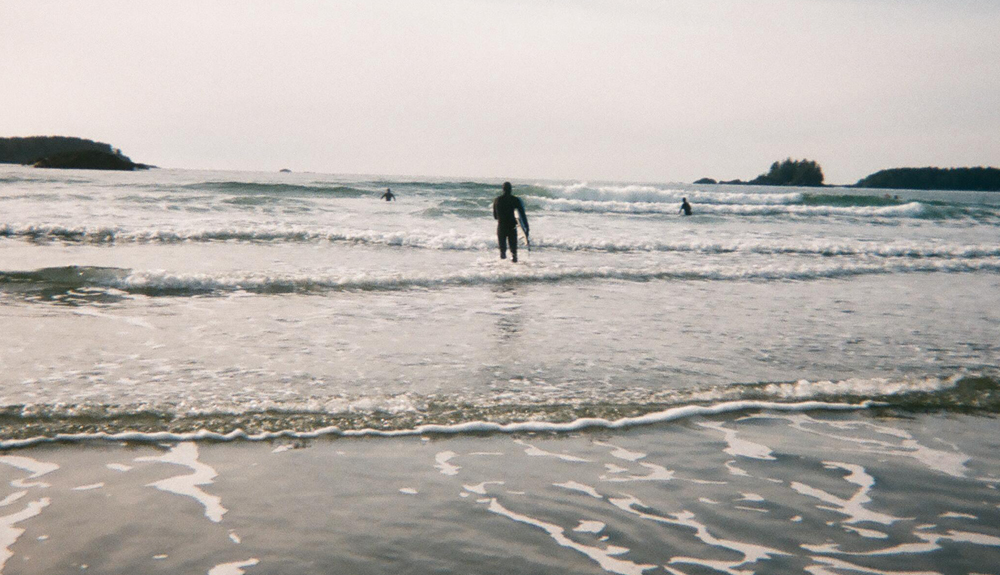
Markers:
(257, 233)
(22, 426)
(651, 194)
(281, 189)
(164, 283)
(907, 210)
(453, 240)
(154, 283)
(913, 250)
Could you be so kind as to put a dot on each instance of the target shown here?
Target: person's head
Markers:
(685, 200)
(506, 187)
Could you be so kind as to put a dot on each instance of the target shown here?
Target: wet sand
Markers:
(761, 492)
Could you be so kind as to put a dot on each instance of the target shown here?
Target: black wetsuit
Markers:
(506, 208)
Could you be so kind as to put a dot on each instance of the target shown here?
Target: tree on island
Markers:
(791, 172)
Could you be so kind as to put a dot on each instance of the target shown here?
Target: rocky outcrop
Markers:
(90, 160)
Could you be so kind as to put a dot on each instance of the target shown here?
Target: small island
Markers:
(787, 172)
(65, 153)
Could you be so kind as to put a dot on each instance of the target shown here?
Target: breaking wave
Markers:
(280, 189)
(652, 194)
(256, 233)
(162, 283)
(907, 210)
(453, 240)
(22, 425)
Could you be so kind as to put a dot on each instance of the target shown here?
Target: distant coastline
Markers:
(791, 172)
(958, 179)
(65, 153)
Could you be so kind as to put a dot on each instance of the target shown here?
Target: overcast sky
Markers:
(636, 90)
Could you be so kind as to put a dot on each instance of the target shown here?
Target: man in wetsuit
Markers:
(506, 209)
(685, 207)
(388, 195)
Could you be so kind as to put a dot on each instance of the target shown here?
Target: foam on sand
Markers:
(657, 473)
(929, 542)
(234, 568)
(854, 507)
(621, 452)
(948, 462)
(186, 454)
(740, 447)
(442, 462)
(577, 486)
(606, 558)
(34, 467)
(9, 534)
(480, 488)
(590, 527)
(536, 452)
(751, 552)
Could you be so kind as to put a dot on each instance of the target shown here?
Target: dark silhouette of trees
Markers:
(65, 152)
(89, 160)
(32, 149)
(791, 172)
(973, 179)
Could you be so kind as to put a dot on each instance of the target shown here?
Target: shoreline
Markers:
(471, 427)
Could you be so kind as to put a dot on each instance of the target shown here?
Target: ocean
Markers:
(245, 372)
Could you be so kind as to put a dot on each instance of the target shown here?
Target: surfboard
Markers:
(524, 228)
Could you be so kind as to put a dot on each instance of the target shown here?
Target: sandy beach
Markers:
(761, 492)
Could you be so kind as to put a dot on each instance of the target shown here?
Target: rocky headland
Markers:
(66, 153)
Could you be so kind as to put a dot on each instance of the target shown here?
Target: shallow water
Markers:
(177, 292)
(173, 309)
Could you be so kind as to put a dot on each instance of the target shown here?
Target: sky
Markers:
(590, 90)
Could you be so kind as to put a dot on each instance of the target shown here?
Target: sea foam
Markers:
(156, 282)
(907, 210)
(671, 414)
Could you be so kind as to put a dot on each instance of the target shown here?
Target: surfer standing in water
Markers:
(504, 208)
(685, 207)
(388, 195)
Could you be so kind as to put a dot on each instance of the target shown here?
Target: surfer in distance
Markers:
(685, 207)
(388, 195)
(508, 211)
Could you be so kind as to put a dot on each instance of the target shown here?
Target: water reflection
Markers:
(509, 319)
